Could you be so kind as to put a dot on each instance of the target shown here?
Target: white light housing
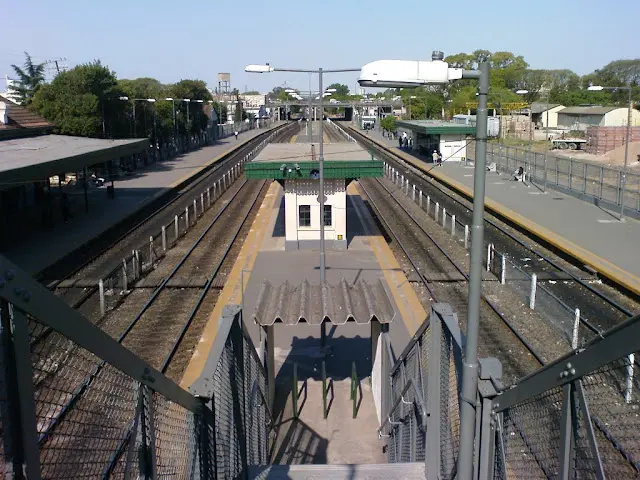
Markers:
(186, 99)
(152, 100)
(124, 98)
(407, 73)
(522, 92)
(289, 90)
(331, 90)
(258, 68)
(200, 101)
(169, 99)
(595, 88)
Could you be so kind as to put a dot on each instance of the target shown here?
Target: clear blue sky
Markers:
(171, 40)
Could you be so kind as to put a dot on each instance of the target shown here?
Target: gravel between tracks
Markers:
(495, 338)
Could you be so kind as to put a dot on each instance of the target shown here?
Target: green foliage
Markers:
(252, 92)
(74, 101)
(389, 123)
(30, 79)
(342, 91)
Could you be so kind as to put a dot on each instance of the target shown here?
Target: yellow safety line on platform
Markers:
(293, 139)
(409, 306)
(232, 291)
(603, 266)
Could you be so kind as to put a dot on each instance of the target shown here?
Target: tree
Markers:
(252, 92)
(389, 123)
(342, 91)
(30, 79)
(78, 100)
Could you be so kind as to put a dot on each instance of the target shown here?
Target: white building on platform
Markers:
(296, 167)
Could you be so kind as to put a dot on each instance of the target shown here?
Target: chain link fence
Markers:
(599, 182)
(577, 417)
(426, 378)
(74, 403)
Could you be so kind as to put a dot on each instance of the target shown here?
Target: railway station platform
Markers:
(45, 245)
(590, 234)
(339, 438)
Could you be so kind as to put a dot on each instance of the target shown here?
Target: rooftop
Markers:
(22, 121)
(437, 127)
(543, 107)
(301, 152)
(36, 158)
(295, 161)
(588, 110)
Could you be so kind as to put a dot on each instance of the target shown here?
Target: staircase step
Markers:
(388, 471)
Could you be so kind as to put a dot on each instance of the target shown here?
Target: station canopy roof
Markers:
(292, 161)
(437, 127)
(33, 159)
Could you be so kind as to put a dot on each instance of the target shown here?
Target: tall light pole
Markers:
(395, 74)
(320, 72)
(623, 179)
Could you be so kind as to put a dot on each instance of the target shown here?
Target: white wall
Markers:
(453, 147)
(619, 117)
(553, 117)
(305, 192)
(579, 122)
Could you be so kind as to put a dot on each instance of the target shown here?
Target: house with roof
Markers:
(540, 112)
(580, 118)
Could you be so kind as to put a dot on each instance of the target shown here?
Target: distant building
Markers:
(580, 118)
(539, 114)
(10, 92)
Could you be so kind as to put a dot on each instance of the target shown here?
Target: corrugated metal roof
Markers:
(543, 107)
(587, 110)
(314, 304)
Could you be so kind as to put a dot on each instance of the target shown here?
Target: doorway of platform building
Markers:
(348, 355)
(426, 144)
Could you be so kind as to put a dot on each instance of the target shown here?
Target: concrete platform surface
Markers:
(132, 193)
(387, 471)
(590, 233)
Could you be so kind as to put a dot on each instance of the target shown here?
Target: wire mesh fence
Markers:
(598, 181)
(577, 416)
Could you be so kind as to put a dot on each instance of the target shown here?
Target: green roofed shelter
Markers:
(449, 139)
(296, 167)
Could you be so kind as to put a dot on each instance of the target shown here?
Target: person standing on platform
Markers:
(435, 157)
(236, 134)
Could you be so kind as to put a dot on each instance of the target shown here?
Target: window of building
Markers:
(304, 215)
(327, 216)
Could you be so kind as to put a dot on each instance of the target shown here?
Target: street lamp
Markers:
(623, 180)
(320, 72)
(400, 73)
(267, 69)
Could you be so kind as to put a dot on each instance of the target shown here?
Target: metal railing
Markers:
(130, 421)
(574, 418)
(598, 182)
(420, 395)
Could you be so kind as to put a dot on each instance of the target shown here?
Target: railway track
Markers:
(601, 307)
(156, 332)
(445, 280)
(76, 280)
(431, 267)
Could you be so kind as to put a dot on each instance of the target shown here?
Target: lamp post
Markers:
(394, 74)
(623, 179)
(320, 71)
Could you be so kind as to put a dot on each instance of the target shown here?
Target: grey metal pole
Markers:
(321, 195)
(626, 158)
(470, 367)
(323, 332)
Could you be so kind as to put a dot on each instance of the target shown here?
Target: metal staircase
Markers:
(571, 418)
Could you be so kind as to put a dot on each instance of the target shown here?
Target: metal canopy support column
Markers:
(470, 365)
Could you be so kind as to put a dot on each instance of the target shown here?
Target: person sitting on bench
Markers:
(518, 174)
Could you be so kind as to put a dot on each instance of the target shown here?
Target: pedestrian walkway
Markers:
(585, 231)
(48, 245)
